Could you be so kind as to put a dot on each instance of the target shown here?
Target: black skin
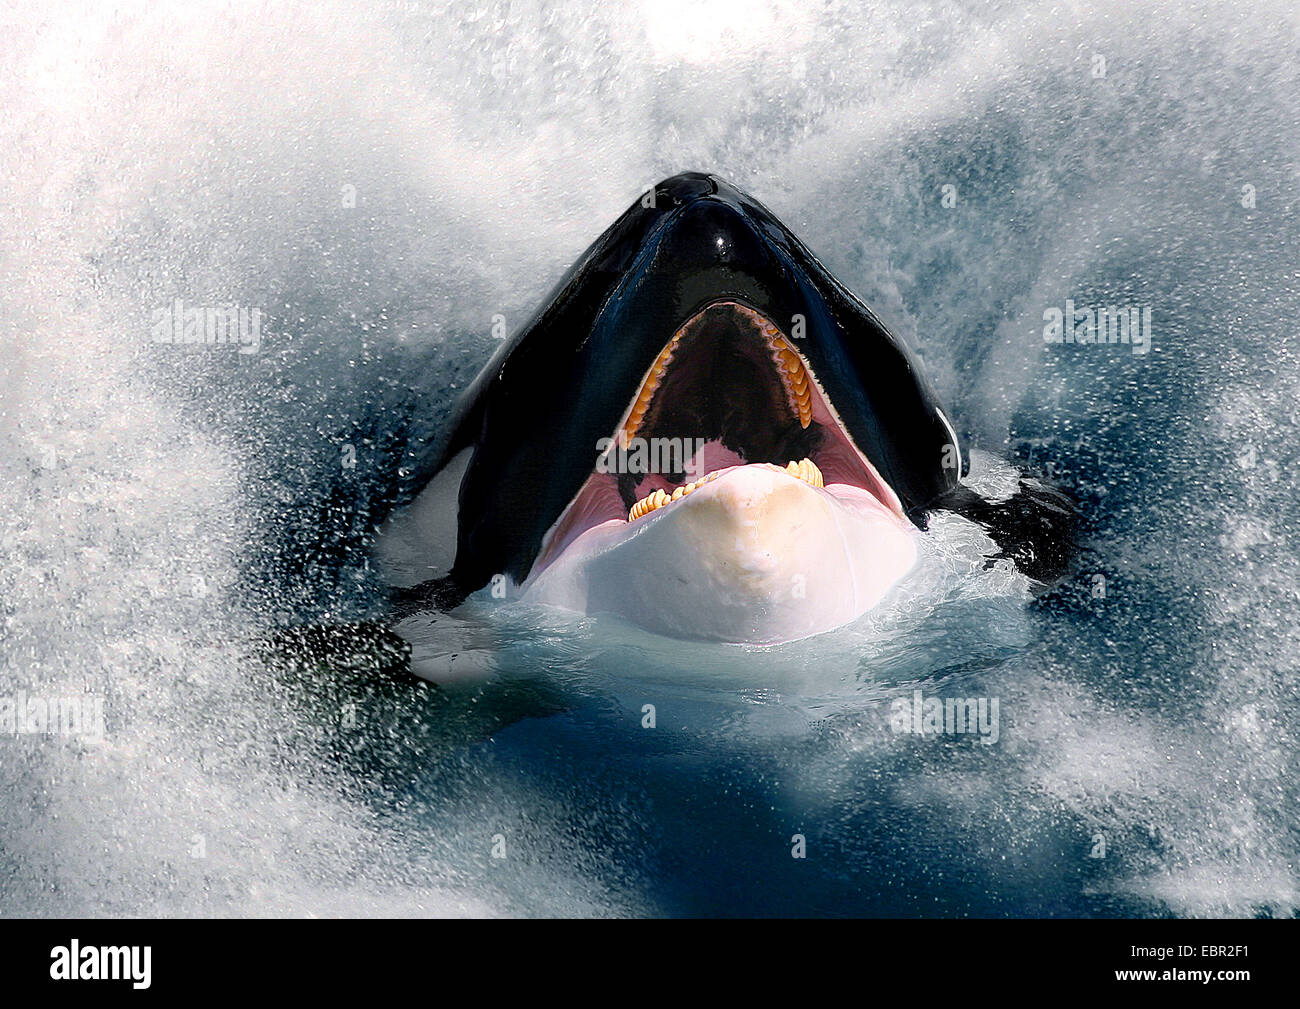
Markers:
(1034, 528)
(536, 412)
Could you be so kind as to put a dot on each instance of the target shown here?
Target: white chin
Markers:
(754, 556)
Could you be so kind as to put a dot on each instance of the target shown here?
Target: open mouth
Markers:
(729, 389)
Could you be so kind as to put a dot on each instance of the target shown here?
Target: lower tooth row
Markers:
(805, 470)
(659, 498)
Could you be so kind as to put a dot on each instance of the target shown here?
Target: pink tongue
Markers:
(714, 455)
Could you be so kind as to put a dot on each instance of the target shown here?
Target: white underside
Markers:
(754, 556)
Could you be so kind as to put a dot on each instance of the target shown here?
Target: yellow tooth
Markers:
(655, 499)
(805, 470)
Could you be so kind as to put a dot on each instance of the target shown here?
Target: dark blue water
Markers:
(190, 531)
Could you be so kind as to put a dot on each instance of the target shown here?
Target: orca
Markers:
(705, 433)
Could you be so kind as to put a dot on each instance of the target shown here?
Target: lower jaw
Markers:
(755, 557)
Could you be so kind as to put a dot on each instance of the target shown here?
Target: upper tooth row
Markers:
(805, 470)
(647, 393)
(794, 377)
(794, 374)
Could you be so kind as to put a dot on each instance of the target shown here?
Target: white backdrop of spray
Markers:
(412, 170)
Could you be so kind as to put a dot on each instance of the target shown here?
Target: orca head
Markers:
(703, 431)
